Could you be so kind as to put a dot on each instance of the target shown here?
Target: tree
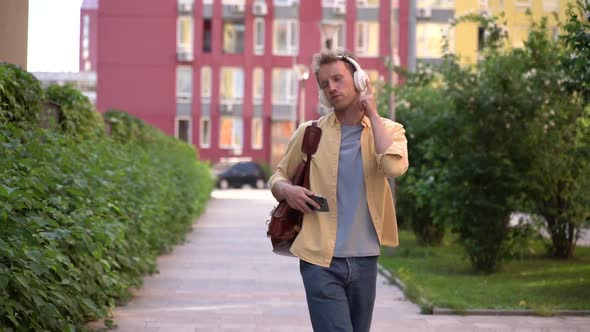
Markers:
(419, 102)
(511, 133)
(559, 187)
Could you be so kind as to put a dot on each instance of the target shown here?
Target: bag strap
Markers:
(311, 145)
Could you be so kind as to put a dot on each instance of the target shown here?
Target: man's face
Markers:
(335, 80)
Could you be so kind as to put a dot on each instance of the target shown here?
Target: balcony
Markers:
(185, 7)
(184, 55)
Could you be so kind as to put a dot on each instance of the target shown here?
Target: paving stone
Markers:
(225, 278)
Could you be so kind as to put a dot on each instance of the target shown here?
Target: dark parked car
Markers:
(238, 174)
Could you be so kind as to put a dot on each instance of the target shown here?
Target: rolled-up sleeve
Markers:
(394, 162)
(293, 155)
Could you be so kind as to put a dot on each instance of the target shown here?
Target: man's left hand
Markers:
(368, 103)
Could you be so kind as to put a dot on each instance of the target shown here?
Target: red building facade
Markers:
(231, 77)
(88, 35)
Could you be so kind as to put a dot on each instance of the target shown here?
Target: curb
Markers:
(422, 303)
(481, 312)
(385, 272)
(507, 312)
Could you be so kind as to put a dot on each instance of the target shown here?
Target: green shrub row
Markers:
(21, 95)
(78, 117)
(83, 215)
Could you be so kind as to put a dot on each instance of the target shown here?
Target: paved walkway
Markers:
(225, 278)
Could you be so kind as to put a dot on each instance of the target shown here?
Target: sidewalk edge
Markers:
(479, 312)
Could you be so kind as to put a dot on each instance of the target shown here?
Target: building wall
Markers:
(137, 62)
(89, 39)
(463, 38)
(403, 16)
(14, 27)
(517, 21)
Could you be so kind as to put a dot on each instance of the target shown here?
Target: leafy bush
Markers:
(79, 119)
(82, 216)
(574, 60)
(559, 187)
(125, 128)
(83, 221)
(420, 103)
(21, 96)
(511, 133)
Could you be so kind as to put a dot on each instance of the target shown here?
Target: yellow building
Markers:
(433, 21)
(434, 17)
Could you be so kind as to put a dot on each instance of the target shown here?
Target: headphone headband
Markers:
(350, 60)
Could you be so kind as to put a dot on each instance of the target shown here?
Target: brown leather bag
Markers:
(285, 222)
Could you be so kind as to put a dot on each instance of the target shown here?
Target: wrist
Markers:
(374, 117)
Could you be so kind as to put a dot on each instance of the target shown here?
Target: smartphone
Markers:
(322, 202)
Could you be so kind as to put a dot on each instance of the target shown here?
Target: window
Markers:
(284, 87)
(281, 132)
(551, 5)
(205, 132)
(436, 4)
(524, 3)
(554, 33)
(86, 38)
(206, 84)
(233, 37)
(285, 2)
(185, 34)
(232, 85)
(333, 3)
(258, 86)
(286, 37)
(230, 132)
(182, 128)
(367, 38)
(184, 83)
(481, 38)
(258, 36)
(333, 35)
(206, 35)
(367, 3)
(518, 34)
(257, 133)
(429, 38)
(374, 76)
(483, 4)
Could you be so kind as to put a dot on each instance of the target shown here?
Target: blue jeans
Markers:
(341, 297)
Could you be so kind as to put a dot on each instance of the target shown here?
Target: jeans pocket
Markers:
(303, 265)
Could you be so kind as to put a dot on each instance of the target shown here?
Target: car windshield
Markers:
(220, 167)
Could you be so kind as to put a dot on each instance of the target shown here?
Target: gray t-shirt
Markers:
(356, 235)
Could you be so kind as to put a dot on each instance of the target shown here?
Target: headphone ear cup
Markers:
(324, 101)
(360, 80)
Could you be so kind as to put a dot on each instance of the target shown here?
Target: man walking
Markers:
(358, 151)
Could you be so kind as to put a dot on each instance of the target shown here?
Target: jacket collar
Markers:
(333, 120)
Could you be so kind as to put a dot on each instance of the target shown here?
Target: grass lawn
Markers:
(443, 277)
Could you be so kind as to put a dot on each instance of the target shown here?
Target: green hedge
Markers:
(78, 117)
(83, 220)
(21, 95)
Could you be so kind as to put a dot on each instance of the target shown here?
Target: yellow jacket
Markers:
(316, 241)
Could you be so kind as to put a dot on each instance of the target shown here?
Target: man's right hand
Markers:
(296, 196)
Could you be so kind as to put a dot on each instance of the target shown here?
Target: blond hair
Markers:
(330, 56)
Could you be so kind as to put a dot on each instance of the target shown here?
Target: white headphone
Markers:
(359, 77)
